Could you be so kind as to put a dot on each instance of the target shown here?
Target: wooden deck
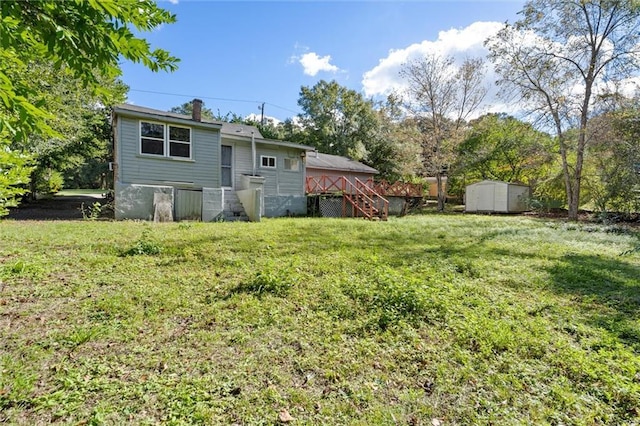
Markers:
(340, 185)
(359, 199)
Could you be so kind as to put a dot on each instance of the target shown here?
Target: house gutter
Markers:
(253, 154)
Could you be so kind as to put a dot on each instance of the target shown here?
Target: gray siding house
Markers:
(173, 166)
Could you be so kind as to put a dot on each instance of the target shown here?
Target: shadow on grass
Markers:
(609, 288)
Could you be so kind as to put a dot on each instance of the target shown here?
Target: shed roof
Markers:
(499, 182)
(317, 160)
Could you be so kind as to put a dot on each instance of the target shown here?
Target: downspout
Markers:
(253, 154)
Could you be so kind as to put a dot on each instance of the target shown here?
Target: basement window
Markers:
(268, 162)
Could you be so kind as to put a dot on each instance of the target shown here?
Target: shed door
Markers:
(486, 201)
(188, 204)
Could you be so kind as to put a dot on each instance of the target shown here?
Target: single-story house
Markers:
(496, 197)
(175, 166)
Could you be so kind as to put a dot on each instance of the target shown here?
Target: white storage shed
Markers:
(496, 197)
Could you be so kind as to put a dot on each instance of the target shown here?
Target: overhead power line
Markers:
(183, 95)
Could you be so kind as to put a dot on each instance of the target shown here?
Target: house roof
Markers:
(318, 160)
(228, 129)
(497, 182)
(144, 112)
(237, 129)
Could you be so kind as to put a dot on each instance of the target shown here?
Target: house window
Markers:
(179, 142)
(292, 164)
(164, 140)
(226, 172)
(152, 138)
(268, 161)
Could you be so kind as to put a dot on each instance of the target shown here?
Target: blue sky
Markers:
(232, 52)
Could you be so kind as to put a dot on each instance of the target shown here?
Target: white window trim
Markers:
(166, 142)
(233, 153)
(275, 162)
(169, 141)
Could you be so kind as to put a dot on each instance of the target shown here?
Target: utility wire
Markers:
(213, 98)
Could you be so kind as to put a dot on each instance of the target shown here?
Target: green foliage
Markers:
(87, 37)
(48, 182)
(270, 280)
(15, 168)
(569, 51)
(337, 120)
(92, 212)
(499, 147)
(612, 171)
(145, 245)
(389, 297)
(82, 155)
(440, 97)
(47, 44)
(187, 109)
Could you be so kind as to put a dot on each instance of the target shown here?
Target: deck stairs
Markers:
(359, 199)
(233, 209)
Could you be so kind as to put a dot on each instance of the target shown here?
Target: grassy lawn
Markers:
(464, 319)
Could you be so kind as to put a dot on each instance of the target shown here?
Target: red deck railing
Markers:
(331, 184)
(397, 189)
(361, 196)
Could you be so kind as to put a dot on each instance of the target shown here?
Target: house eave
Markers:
(337, 169)
(271, 142)
(167, 118)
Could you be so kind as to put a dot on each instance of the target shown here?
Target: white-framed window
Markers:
(292, 164)
(165, 140)
(268, 162)
(179, 142)
(151, 138)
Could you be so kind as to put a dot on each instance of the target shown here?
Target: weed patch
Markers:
(145, 245)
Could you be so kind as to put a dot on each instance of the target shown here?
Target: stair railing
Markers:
(381, 203)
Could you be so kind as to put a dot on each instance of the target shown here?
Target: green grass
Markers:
(465, 319)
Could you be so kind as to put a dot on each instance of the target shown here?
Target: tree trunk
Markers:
(441, 193)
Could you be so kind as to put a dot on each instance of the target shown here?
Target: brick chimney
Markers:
(196, 110)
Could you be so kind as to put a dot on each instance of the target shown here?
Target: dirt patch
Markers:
(56, 208)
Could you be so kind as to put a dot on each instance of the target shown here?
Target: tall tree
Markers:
(187, 109)
(337, 120)
(612, 170)
(80, 156)
(557, 58)
(440, 98)
(501, 147)
(86, 38)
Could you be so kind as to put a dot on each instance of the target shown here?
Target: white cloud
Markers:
(459, 43)
(313, 64)
(173, 1)
(268, 119)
